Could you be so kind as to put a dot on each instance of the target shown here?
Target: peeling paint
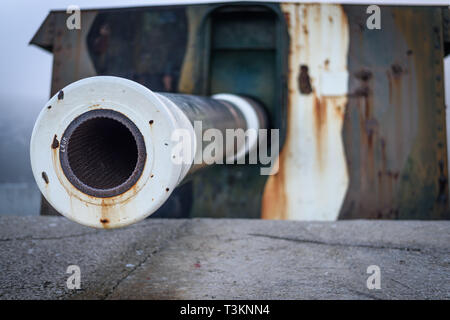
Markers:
(312, 179)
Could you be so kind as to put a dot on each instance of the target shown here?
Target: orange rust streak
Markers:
(105, 214)
(274, 198)
(320, 117)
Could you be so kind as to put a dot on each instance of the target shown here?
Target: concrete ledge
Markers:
(224, 259)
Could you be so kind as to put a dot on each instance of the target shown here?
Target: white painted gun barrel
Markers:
(107, 152)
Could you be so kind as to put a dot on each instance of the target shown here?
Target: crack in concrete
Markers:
(407, 287)
(177, 234)
(364, 294)
(337, 244)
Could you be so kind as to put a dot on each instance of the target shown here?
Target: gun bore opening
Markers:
(102, 153)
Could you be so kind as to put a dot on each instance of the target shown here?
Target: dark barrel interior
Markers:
(103, 153)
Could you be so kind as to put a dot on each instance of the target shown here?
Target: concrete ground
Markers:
(224, 259)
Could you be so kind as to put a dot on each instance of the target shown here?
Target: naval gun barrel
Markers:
(107, 152)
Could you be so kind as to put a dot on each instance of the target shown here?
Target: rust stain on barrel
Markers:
(55, 142)
(45, 177)
(104, 220)
(105, 213)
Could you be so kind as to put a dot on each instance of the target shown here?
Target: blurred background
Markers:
(25, 87)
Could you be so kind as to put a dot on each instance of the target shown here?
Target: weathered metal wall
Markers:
(380, 142)
(362, 111)
(394, 130)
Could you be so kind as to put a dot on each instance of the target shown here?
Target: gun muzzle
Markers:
(107, 152)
